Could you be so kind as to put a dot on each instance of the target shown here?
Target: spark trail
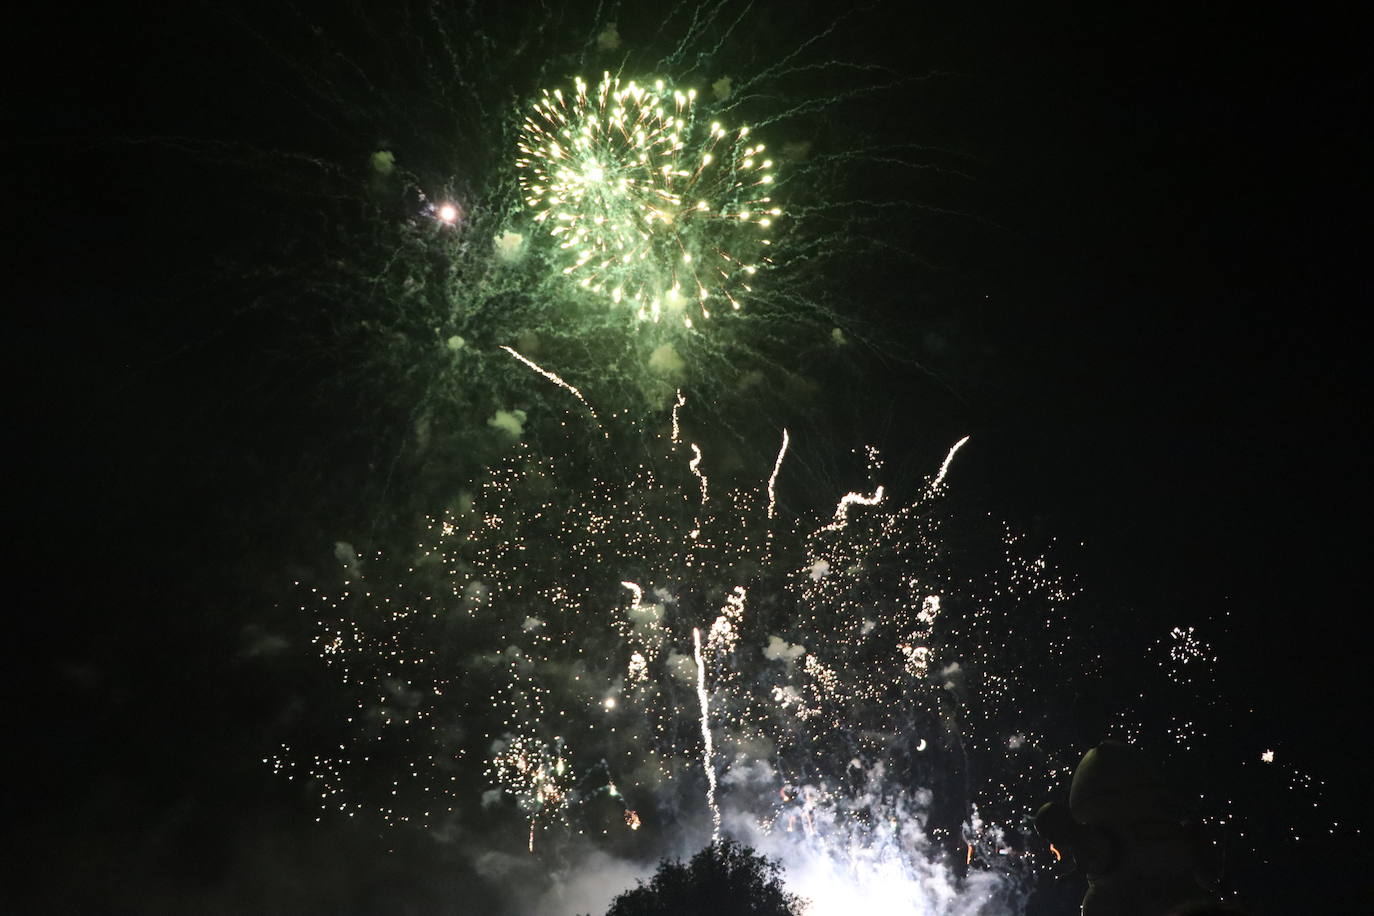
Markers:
(553, 377)
(707, 751)
(534, 651)
(773, 477)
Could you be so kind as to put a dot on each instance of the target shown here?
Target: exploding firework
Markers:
(615, 647)
(634, 650)
(652, 207)
(446, 191)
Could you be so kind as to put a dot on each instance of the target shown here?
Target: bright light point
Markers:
(922, 745)
(448, 213)
(609, 703)
(1267, 756)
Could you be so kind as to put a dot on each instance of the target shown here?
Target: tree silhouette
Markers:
(723, 879)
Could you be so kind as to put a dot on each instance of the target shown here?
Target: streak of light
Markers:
(850, 499)
(553, 377)
(773, 478)
(695, 465)
(944, 466)
(707, 750)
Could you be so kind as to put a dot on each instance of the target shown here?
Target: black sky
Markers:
(1148, 320)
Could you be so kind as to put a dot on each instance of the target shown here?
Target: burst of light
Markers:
(586, 598)
(448, 213)
(1267, 756)
(648, 206)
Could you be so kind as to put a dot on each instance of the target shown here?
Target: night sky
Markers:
(1141, 301)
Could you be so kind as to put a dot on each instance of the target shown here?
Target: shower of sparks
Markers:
(533, 654)
(707, 752)
(773, 477)
(564, 619)
(651, 207)
(570, 643)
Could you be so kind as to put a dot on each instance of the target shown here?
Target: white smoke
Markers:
(666, 361)
(780, 650)
(510, 422)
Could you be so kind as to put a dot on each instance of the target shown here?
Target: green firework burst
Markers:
(651, 207)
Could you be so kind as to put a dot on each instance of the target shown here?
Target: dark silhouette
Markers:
(1132, 835)
(724, 879)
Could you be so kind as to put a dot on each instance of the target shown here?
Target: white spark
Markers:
(773, 478)
(849, 499)
(553, 377)
(680, 402)
(707, 751)
(695, 466)
(944, 466)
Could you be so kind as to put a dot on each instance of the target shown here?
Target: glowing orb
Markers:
(651, 208)
(448, 213)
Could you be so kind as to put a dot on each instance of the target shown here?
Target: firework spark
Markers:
(707, 752)
(650, 206)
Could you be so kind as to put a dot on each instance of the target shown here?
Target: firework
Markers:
(594, 631)
(650, 206)
(569, 643)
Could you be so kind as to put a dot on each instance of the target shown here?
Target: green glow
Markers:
(650, 208)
